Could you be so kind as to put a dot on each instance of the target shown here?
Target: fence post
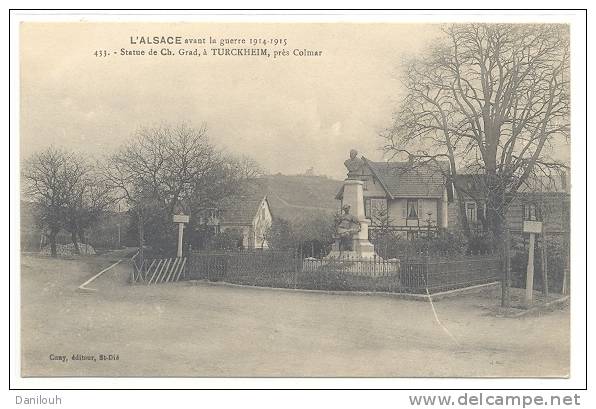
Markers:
(506, 274)
(544, 260)
(295, 270)
(426, 266)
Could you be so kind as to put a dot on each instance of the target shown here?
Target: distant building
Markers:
(405, 196)
(415, 198)
(249, 215)
(543, 199)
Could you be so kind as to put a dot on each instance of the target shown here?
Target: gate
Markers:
(154, 271)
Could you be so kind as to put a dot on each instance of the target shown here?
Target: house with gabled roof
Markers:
(546, 199)
(251, 216)
(406, 196)
(417, 196)
(247, 214)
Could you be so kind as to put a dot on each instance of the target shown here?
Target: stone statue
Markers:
(346, 226)
(354, 165)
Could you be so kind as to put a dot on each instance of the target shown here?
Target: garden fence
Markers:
(288, 270)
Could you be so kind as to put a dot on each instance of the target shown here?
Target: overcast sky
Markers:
(289, 114)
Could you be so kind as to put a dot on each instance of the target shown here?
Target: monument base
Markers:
(361, 249)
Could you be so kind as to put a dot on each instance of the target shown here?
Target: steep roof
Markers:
(410, 179)
(242, 208)
(475, 186)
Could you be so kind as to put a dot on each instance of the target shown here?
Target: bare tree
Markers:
(492, 99)
(165, 166)
(244, 167)
(46, 177)
(88, 198)
(68, 193)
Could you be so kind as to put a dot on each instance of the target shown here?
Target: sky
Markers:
(290, 113)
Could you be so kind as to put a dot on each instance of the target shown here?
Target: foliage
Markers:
(482, 243)
(226, 240)
(391, 244)
(557, 256)
(388, 244)
(280, 235)
(311, 236)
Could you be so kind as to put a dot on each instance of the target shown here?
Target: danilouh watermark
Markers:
(38, 400)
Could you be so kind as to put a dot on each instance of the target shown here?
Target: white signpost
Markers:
(532, 227)
(181, 219)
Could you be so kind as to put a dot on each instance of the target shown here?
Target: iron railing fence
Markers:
(288, 270)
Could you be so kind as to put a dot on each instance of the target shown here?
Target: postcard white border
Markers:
(578, 204)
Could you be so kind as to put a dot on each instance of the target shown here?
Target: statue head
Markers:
(354, 165)
(346, 208)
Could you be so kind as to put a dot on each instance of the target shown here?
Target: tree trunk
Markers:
(52, 237)
(497, 224)
(495, 207)
(461, 207)
(141, 240)
(544, 260)
(75, 242)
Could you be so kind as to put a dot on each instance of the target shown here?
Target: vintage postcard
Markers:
(311, 198)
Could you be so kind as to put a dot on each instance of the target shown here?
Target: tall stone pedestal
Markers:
(361, 248)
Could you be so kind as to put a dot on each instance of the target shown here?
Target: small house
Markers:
(412, 198)
(248, 214)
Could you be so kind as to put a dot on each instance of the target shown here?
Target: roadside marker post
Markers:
(181, 219)
(533, 227)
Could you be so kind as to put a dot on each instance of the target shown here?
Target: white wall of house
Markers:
(439, 207)
(398, 211)
(261, 222)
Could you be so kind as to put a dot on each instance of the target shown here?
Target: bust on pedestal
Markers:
(351, 238)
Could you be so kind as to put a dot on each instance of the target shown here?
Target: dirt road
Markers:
(214, 330)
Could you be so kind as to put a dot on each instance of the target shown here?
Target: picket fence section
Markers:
(154, 271)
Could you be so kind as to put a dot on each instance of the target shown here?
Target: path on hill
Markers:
(286, 203)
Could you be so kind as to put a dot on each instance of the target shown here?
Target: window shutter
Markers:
(404, 208)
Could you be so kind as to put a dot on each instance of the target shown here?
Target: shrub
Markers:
(556, 251)
(390, 244)
(482, 243)
(226, 240)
